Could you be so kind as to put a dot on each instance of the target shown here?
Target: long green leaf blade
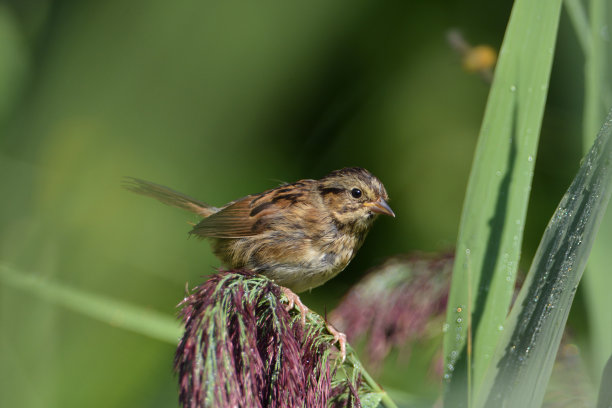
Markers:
(524, 358)
(116, 313)
(597, 282)
(488, 247)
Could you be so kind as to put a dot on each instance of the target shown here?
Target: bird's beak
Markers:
(380, 206)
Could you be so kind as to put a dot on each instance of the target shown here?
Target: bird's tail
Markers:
(168, 196)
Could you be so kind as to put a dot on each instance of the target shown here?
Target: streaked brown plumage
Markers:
(300, 235)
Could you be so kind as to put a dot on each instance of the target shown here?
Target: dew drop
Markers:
(512, 88)
(530, 158)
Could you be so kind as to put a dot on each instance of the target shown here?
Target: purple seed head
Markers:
(394, 303)
(242, 348)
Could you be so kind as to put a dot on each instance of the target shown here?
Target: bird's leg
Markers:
(294, 301)
(338, 337)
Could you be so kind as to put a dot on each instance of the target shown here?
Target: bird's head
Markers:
(354, 197)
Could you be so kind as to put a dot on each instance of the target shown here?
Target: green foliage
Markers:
(522, 364)
(495, 208)
(598, 98)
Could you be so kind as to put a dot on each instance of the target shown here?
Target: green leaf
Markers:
(371, 399)
(116, 313)
(520, 370)
(494, 212)
(598, 280)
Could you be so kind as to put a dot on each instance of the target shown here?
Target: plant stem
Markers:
(386, 400)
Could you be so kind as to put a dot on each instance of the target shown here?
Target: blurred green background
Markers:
(219, 100)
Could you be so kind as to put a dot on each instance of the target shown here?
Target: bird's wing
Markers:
(239, 219)
(252, 214)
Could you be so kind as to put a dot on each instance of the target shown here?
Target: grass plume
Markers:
(242, 347)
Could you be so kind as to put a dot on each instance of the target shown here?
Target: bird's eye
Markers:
(356, 192)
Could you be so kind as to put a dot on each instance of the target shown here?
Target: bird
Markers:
(299, 235)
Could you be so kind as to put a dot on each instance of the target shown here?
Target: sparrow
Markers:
(299, 235)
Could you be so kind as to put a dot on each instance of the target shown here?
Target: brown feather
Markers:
(250, 215)
(230, 222)
(168, 196)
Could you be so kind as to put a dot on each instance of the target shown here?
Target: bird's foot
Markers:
(294, 301)
(339, 338)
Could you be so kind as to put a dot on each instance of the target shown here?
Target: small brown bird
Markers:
(300, 235)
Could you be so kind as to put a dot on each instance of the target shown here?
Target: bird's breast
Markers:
(293, 257)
